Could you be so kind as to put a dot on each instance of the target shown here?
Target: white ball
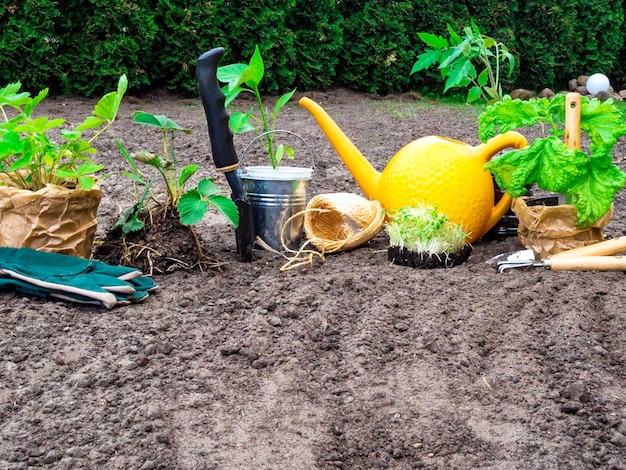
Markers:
(598, 82)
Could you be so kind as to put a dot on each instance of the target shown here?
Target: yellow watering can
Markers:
(432, 170)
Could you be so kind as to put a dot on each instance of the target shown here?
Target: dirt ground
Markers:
(350, 363)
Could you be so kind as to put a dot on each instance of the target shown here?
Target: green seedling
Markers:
(30, 159)
(191, 205)
(422, 229)
(456, 59)
(590, 182)
(247, 78)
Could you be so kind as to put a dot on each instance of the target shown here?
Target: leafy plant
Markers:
(191, 205)
(422, 229)
(30, 159)
(589, 181)
(247, 78)
(456, 59)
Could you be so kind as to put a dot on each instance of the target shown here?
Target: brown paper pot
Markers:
(548, 230)
(53, 219)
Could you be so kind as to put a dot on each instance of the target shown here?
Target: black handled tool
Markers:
(222, 147)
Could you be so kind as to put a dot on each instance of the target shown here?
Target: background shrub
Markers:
(103, 39)
(28, 45)
(376, 55)
(83, 46)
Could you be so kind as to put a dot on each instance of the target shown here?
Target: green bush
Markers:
(376, 56)
(599, 25)
(185, 32)
(263, 23)
(318, 35)
(546, 42)
(103, 39)
(83, 46)
(28, 45)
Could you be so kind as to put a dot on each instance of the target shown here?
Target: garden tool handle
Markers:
(587, 263)
(572, 121)
(222, 146)
(607, 247)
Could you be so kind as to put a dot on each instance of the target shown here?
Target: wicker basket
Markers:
(341, 221)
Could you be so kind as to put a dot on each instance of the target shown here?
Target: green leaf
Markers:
(231, 74)
(434, 41)
(207, 188)
(88, 169)
(30, 106)
(227, 208)
(159, 121)
(458, 76)
(187, 173)
(253, 75)
(508, 115)
(474, 94)
(86, 182)
(453, 54)
(240, 122)
(39, 125)
(90, 122)
(602, 121)
(426, 60)
(108, 106)
(547, 162)
(594, 192)
(454, 36)
(483, 78)
(282, 101)
(191, 207)
(278, 155)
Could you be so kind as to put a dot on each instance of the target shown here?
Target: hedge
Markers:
(82, 46)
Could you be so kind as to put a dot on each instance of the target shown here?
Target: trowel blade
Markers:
(520, 255)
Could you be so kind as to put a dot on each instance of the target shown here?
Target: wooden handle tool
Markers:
(587, 263)
(607, 247)
(572, 120)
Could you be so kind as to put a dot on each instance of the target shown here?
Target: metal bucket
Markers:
(276, 196)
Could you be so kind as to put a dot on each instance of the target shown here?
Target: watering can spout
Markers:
(363, 172)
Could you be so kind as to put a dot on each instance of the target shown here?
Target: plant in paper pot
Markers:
(285, 185)
(422, 237)
(164, 204)
(48, 190)
(588, 180)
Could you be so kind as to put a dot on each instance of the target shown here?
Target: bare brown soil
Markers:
(350, 363)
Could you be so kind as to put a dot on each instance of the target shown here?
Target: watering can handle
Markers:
(497, 144)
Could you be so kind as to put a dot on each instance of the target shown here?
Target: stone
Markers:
(546, 93)
(521, 94)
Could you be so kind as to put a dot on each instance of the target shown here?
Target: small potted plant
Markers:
(49, 195)
(421, 237)
(554, 163)
(163, 204)
(285, 185)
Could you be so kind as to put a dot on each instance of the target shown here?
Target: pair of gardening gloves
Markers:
(71, 278)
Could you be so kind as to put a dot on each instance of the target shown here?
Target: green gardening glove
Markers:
(72, 278)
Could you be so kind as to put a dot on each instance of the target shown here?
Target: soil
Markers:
(350, 362)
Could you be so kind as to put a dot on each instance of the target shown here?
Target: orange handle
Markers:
(588, 263)
(572, 120)
(607, 247)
